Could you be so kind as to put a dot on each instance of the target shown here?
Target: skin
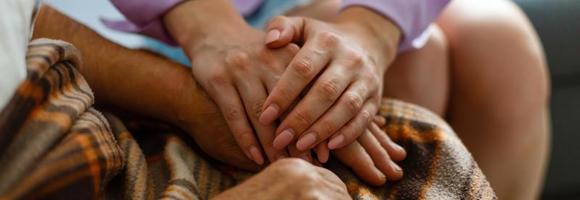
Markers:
(233, 66)
(350, 60)
(278, 181)
(483, 58)
(509, 136)
(186, 104)
(231, 62)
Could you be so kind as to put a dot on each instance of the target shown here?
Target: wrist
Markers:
(377, 32)
(193, 21)
(191, 107)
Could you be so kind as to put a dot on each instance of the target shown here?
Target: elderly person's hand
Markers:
(343, 65)
(230, 61)
(290, 179)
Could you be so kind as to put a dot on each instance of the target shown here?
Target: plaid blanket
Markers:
(54, 145)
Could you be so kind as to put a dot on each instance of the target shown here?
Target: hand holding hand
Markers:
(230, 61)
(343, 65)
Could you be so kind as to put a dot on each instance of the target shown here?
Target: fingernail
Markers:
(396, 167)
(283, 139)
(269, 115)
(323, 157)
(336, 142)
(400, 149)
(272, 36)
(306, 142)
(256, 155)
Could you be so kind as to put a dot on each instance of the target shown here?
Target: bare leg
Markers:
(498, 103)
(422, 76)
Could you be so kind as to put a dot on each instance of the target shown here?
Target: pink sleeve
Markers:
(412, 16)
(145, 16)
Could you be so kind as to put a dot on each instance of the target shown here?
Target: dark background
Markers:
(558, 25)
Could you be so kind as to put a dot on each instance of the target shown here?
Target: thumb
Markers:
(283, 30)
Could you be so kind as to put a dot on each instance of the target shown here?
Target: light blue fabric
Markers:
(258, 19)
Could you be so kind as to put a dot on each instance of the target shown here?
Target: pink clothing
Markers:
(412, 16)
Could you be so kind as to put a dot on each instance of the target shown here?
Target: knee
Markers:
(497, 33)
(421, 76)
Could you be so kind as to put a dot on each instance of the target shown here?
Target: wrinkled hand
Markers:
(231, 63)
(344, 64)
(237, 72)
(290, 179)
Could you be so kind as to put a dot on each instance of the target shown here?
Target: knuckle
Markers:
(353, 103)
(329, 89)
(217, 79)
(277, 20)
(232, 113)
(238, 59)
(309, 177)
(328, 39)
(292, 165)
(283, 97)
(304, 68)
(302, 118)
(356, 60)
(327, 127)
(366, 116)
(257, 108)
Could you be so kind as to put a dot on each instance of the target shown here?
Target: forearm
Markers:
(377, 31)
(192, 21)
(133, 80)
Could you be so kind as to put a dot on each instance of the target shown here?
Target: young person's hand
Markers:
(342, 64)
(230, 61)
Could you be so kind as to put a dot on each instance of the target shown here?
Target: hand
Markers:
(344, 62)
(372, 156)
(290, 179)
(230, 61)
(203, 121)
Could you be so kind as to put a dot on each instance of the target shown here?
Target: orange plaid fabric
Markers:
(54, 145)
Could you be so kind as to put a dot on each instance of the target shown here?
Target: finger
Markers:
(355, 157)
(355, 127)
(286, 53)
(322, 152)
(233, 112)
(253, 96)
(293, 152)
(348, 107)
(396, 152)
(303, 68)
(282, 30)
(380, 156)
(380, 120)
(323, 94)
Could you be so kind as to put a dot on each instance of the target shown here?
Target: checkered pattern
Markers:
(54, 145)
